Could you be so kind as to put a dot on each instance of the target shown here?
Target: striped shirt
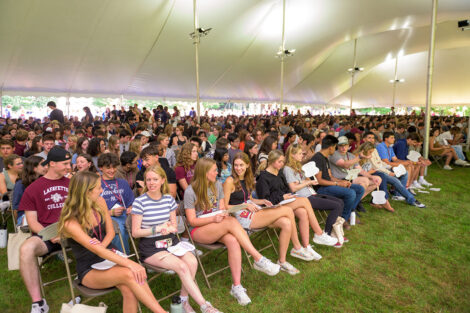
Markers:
(154, 212)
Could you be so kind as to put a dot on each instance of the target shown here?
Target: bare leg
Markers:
(302, 202)
(29, 251)
(234, 257)
(285, 225)
(129, 301)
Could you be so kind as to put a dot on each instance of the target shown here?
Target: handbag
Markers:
(15, 240)
(83, 308)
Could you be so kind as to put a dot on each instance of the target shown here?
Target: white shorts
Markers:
(244, 217)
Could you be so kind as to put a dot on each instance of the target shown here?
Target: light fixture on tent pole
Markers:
(196, 37)
(353, 71)
(282, 54)
(395, 81)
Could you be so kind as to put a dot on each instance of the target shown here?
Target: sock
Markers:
(184, 299)
(40, 302)
(184, 239)
(262, 257)
(421, 177)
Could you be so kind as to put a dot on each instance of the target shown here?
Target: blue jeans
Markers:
(458, 150)
(398, 184)
(125, 236)
(351, 196)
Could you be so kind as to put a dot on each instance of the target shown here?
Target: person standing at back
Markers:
(56, 114)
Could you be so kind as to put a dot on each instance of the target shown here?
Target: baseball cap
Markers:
(57, 154)
(343, 140)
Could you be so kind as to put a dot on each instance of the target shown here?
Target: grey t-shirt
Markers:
(340, 172)
(190, 199)
(294, 176)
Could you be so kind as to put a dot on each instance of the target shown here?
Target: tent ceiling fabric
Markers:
(141, 48)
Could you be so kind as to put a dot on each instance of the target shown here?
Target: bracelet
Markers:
(153, 230)
(112, 212)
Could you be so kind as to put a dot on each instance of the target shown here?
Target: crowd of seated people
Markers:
(139, 165)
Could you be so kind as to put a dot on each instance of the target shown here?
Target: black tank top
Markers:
(239, 196)
(84, 257)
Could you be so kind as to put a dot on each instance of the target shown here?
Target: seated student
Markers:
(185, 164)
(164, 141)
(234, 141)
(271, 185)
(386, 153)
(32, 170)
(84, 162)
(128, 169)
(301, 185)
(366, 149)
(342, 160)
(205, 195)
(117, 194)
(154, 220)
(86, 222)
(238, 189)
(268, 144)
(224, 168)
(152, 156)
(401, 149)
(452, 137)
(251, 149)
(388, 177)
(351, 194)
(435, 148)
(42, 202)
(11, 172)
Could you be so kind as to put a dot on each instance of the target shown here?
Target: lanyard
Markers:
(117, 195)
(244, 195)
(99, 227)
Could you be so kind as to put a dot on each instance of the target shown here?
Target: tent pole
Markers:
(395, 82)
(196, 52)
(1, 103)
(353, 74)
(67, 103)
(283, 48)
(432, 42)
(468, 132)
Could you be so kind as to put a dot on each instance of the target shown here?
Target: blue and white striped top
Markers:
(154, 212)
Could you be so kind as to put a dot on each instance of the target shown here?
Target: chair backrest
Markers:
(117, 230)
(131, 238)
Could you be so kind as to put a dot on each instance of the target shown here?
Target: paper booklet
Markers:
(181, 248)
(107, 264)
(49, 232)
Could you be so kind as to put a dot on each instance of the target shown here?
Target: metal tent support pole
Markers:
(196, 42)
(1, 103)
(468, 133)
(395, 77)
(353, 75)
(67, 103)
(283, 48)
(432, 43)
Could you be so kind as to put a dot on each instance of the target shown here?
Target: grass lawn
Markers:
(416, 260)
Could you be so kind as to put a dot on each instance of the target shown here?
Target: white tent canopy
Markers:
(141, 48)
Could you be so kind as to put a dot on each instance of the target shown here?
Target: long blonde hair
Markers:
(78, 205)
(272, 157)
(135, 146)
(157, 169)
(201, 184)
(290, 161)
(364, 148)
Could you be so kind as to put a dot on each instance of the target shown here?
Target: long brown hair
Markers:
(201, 184)
(184, 156)
(364, 148)
(248, 177)
(78, 205)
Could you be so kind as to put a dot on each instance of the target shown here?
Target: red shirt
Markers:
(19, 149)
(46, 197)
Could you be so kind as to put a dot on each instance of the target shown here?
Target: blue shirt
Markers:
(117, 191)
(401, 149)
(385, 152)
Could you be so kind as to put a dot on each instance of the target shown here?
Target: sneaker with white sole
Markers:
(208, 308)
(324, 239)
(398, 198)
(418, 204)
(412, 191)
(423, 182)
(266, 266)
(316, 256)
(239, 293)
(417, 185)
(187, 308)
(461, 162)
(36, 308)
(302, 254)
(288, 268)
(447, 168)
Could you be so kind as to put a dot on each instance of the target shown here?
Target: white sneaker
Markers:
(423, 182)
(36, 308)
(324, 239)
(266, 266)
(288, 268)
(208, 308)
(412, 191)
(417, 185)
(447, 167)
(302, 254)
(239, 293)
(316, 256)
(461, 162)
(398, 198)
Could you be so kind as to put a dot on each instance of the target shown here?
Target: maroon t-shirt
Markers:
(181, 173)
(46, 197)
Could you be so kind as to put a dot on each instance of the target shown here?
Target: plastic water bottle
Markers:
(176, 305)
(352, 220)
(3, 236)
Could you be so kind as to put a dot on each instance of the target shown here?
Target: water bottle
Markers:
(352, 220)
(176, 305)
(3, 236)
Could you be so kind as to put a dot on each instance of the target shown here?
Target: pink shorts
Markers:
(192, 230)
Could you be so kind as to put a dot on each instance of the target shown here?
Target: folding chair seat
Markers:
(158, 270)
(438, 159)
(209, 247)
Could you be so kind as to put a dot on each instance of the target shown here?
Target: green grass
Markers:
(416, 260)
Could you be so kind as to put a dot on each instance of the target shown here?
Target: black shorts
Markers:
(51, 247)
(147, 246)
